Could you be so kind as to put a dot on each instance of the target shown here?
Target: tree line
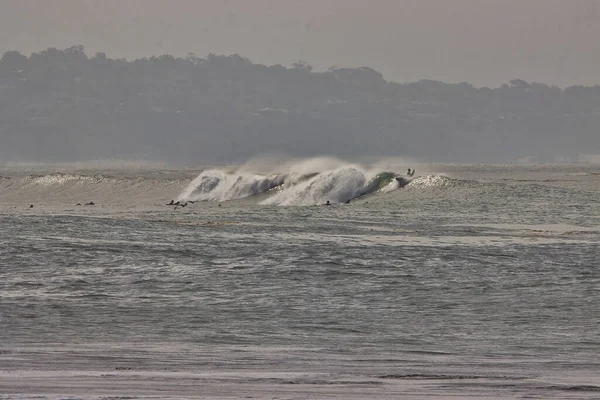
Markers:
(61, 105)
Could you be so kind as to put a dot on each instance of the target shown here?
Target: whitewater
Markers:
(338, 186)
(305, 182)
(213, 282)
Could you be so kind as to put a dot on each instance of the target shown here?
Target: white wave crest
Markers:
(296, 182)
(335, 186)
(433, 181)
(217, 185)
(60, 178)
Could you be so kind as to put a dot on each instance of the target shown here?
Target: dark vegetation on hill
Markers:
(61, 105)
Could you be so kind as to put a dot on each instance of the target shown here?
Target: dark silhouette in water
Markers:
(328, 203)
(172, 202)
(402, 181)
(31, 206)
(91, 203)
(347, 201)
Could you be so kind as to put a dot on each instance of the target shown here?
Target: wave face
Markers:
(289, 183)
(218, 185)
(335, 186)
(105, 187)
(293, 188)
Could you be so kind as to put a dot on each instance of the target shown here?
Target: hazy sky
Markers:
(484, 42)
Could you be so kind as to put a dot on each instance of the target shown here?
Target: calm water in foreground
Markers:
(469, 282)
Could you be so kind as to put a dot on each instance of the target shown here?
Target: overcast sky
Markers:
(484, 42)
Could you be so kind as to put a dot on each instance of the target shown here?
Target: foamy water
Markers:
(467, 282)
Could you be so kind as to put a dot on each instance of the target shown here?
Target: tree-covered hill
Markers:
(61, 105)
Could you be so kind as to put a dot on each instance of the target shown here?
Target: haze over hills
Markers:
(61, 105)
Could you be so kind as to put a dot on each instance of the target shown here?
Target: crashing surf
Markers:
(297, 186)
(286, 183)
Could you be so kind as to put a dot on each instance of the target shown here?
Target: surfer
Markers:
(328, 203)
(171, 203)
(347, 201)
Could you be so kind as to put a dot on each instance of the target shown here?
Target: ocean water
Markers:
(470, 281)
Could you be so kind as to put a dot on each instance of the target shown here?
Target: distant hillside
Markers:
(61, 105)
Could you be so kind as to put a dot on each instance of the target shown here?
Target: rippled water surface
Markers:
(471, 281)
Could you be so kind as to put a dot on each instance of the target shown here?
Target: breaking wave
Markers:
(289, 183)
(60, 178)
(337, 185)
(435, 181)
(71, 188)
(217, 185)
